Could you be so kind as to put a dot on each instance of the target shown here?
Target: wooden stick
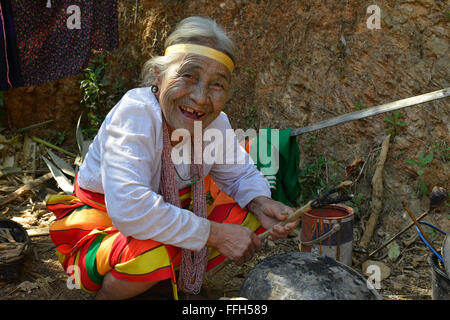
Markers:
(34, 126)
(390, 240)
(294, 216)
(417, 225)
(26, 187)
(377, 195)
(36, 232)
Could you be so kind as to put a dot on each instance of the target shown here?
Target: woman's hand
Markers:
(239, 243)
(235, 242)
(270, 212)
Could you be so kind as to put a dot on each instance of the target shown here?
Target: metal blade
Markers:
(374, 111)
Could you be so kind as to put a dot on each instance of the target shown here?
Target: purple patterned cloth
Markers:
(55, 42)
(10, 75)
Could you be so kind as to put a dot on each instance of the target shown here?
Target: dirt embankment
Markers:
(299, 63)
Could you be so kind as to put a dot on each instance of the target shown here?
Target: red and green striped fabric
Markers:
(89, 246)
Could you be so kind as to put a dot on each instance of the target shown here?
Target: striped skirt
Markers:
(88, 245)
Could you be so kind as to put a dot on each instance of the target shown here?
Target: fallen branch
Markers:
(26, 187)
(377, 195)
(392, 239)
(36, 232)
(34, 126)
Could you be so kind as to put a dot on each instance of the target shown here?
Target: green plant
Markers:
(251, 72)
(249, 116)
(359, 106)
(394, 122)
(99, 96)
(431, 232)
(310, 140)
(442, 149)
(355, 203)
(421, 162)
(314, 179)
(58, 136)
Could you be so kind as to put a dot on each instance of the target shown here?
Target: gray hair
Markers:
(195, 30)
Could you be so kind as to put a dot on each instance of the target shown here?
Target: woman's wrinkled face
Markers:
(194, 88)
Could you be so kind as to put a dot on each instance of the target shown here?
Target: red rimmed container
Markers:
(328, 231)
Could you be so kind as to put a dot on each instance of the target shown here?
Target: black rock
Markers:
(305, 276)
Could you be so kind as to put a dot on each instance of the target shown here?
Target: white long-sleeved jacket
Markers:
(124, 164)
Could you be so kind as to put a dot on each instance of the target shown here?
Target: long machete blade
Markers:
(374, 110)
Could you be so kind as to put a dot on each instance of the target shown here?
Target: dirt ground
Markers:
(42, 277)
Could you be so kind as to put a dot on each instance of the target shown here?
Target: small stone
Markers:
(385, 271)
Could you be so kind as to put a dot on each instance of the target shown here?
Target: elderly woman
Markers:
(131, 222)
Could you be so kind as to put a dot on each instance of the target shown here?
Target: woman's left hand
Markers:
(270, 212)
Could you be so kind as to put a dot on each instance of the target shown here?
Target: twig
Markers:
(417, 225)
(391, 239)
(18, 170)
(26, 187)
(364, 165)
(34, 126)
(36, 232)
(377, 194)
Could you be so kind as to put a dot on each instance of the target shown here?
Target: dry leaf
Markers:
(64, 183)
(351, 169)
(393, 250)
(28, 286)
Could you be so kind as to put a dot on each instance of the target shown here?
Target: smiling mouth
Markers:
(191, 113)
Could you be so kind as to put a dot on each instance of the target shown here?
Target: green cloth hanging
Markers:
(283, 180)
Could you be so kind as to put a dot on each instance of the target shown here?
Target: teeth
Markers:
(192, 111)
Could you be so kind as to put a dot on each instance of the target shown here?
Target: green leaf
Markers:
(412, 162)
(79, 135)
(428, 159)
(393, 250)
(423, 187)
(358, 197)
(420, 157)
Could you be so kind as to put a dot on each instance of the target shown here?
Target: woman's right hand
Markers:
(235, 242)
